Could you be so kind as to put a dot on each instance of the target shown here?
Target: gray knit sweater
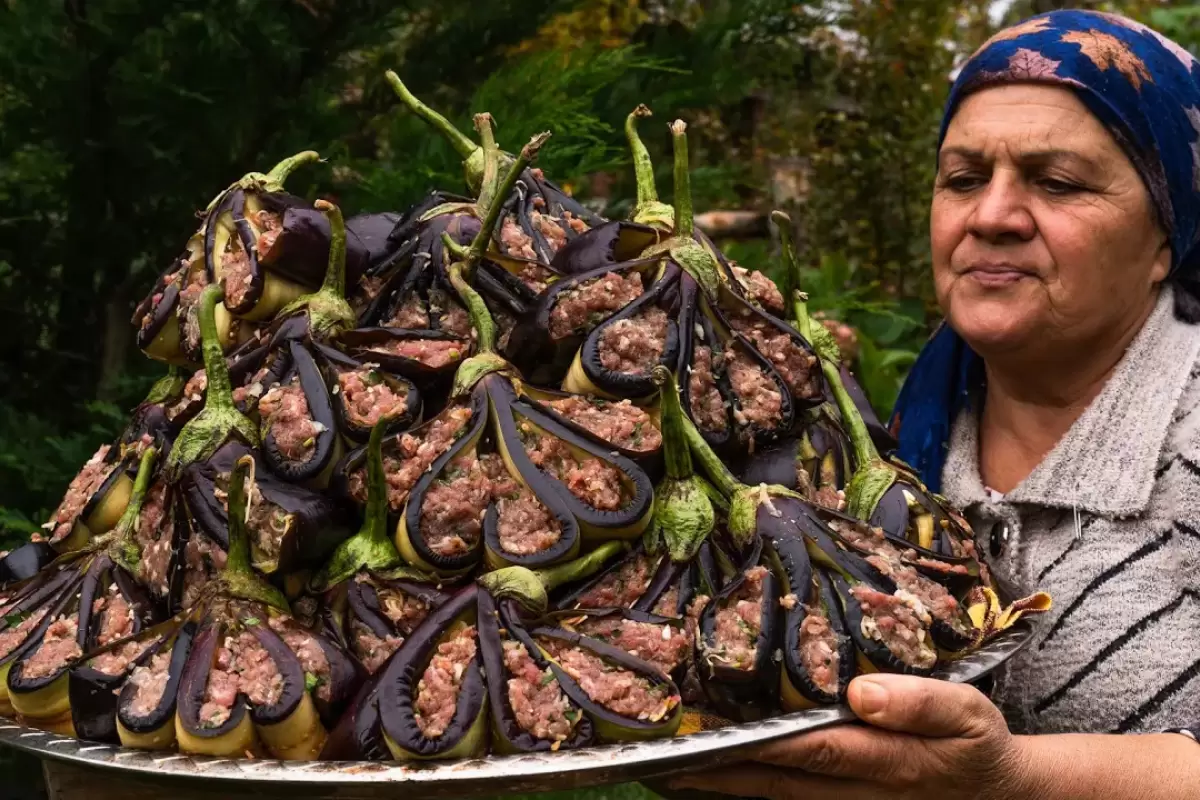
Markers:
(1109, 525)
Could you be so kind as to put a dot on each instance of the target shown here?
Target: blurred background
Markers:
(119, 119)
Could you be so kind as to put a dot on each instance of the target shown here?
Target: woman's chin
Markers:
(995, 325)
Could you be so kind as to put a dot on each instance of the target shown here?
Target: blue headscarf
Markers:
(1146, 90)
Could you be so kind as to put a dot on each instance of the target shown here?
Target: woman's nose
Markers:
(1002, 211)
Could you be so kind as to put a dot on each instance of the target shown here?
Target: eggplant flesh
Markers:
(806, 681)
(147, 703)
(308, 456)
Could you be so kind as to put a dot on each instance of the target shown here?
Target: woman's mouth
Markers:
(994, 276)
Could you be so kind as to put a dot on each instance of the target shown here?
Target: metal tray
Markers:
(479, 777)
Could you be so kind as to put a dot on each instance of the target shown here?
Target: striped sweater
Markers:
(1109, 525)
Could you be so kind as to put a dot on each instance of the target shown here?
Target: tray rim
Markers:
(489, 775)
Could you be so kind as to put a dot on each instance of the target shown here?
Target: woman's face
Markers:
(1043, 233)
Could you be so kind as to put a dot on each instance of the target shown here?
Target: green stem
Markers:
(280, 172)
(864, 449)
(526, 157)
(491, 161)
(335, 273)
(643, 167)
(725, 481)
(684, 217)
(168, 387)
(583, 567)
(218, 394)
(461, 142)
(792, 294)
(238, 575)
(124, 546)
(481, 318)
(677, 455)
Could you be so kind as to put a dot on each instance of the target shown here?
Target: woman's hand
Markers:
(923, 738)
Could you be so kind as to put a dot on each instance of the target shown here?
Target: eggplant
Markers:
(358, 734)
(503, 639)
(26, 618)
(93, 503)
(293, 527)
(302, 393)
(448, 631)
(154, 727)
(374, 231)
(25, 562)
(343, 373)
(632, 630)
(816, 463)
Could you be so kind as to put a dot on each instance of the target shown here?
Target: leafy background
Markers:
(120, 118)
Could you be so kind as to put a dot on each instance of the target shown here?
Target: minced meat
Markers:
(516, 242)
(866, 539)
(266, 522)
(193, 392)
(760, 403)
(188, 307)
(117, 622)
(616, 688)
(438, 689)
(58, 648)
(153, 540)
(535, 277)
(739, 622)
(634, 344)
(14, 636)
(662, 646)
(592, 302)
(308, 652)
(412, 314)
(269, 225)
(537, 700)
(79, 492)
(668, 603)
(759, 288)
(818, 650)
(453, 508)
(372, 650)
(934, 597)
(451, 317)
(243, 667)
(525, 525)
(549, 227)
(236, 276)
(704, 399)
(621, 424)
(898, 622)
(405, 611)
(593, 481)
(418, 450)
(796, 366)
(368, 398)
(622, 587)
(285, 411)
(433, 353)
(151, 683)
(203, 560)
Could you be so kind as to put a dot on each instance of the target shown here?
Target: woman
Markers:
(1060, 407)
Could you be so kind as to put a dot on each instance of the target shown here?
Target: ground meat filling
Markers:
(432, 353)
(193, 392)
(516, 242)
(535, 277)
(266, 522)
(412, 314)
(760, 403)
(622, 424)
(550, 229)
(453, 508)
(117, 622)
(188, 308)
(269, 225)
(405, 611)
(150, 682)
(243, 667)
(14, 636)
(759, 288)
(796, 366)
(618, 689)
(662, 646)
(202, 561)
(537, 700)
(593, 481)
(236, 275)
(82, 487)
(286, 414)
(417, 451)
(58, 648)
(739, 622)
(622, 587)
(308, 652)
(634, 344)
(934, 597)
(592, 302)
(451, 316)
(525, 525)
(438, 689)
(668, 603)
(154, 545)
(368, 398)
(818, 650)
(373, 651)
(704, 399)
(899, 623)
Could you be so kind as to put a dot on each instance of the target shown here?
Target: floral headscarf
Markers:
(1146, 90)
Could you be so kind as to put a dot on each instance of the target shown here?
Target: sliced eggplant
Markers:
(364, 393)
(147, 701)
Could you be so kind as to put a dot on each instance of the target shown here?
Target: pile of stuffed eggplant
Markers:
(489, 475)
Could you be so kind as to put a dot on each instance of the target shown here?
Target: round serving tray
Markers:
(477, 777)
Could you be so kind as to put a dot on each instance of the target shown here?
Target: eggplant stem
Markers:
(167, 387)
(526, 157)
(865, 453)
(329, 313)
(684, 217)
(724, 480)
(791, 285)
(675, 445)
(238, 576)
(491, 161)
(280, 172)
(583, 567)
(458, 139)
(643, 167)
(335, 272)
(123, 548)
(481, 318)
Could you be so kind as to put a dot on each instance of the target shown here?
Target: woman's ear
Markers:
(1162, 263)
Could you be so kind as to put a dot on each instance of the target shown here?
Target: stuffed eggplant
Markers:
(145, 718)
(363, 394)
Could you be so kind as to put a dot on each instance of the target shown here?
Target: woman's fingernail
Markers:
(872, 698)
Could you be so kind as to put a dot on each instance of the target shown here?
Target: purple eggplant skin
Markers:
(359, 344)
(320, 523)
(507, 735)
(345, 677)
(320, 407)
(892, 515)
(637, 615)
(334, 361)
(358, 734)
(690, 316)
(164, 713)
(404, 236)
(193, 683)
(398, 689)
(568, 596)
(373, 232)
(61, 604)
(605, 245)
(25, 562)
(743, 695)
(160, 306)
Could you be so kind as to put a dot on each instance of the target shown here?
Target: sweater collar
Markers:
(1106, 462)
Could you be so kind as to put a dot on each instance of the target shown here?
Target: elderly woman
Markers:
(1059, 406)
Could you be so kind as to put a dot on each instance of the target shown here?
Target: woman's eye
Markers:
(1058, 187)
(963, 182)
